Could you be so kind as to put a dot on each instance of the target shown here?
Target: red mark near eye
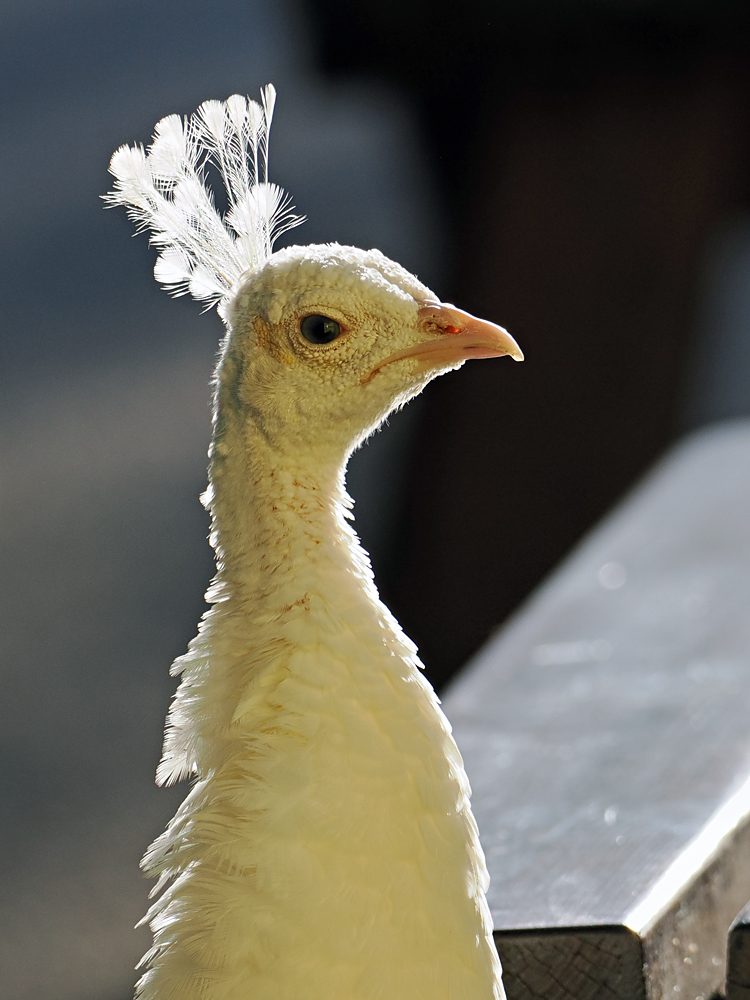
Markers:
(452, 329)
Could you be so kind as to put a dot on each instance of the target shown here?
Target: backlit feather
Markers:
(165, 190)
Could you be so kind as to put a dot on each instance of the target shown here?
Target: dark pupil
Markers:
(319, 329)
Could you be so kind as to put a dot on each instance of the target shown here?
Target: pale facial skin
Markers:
(389, 336)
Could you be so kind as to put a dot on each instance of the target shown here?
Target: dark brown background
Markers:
(588, 153)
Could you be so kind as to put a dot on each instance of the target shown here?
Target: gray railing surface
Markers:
(606, 733)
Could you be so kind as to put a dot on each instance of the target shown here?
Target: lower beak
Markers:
(461, 337)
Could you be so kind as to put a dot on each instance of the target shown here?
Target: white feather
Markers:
(166, 191)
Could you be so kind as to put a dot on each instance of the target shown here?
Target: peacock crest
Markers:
(166, 190)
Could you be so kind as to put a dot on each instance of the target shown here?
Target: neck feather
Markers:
(278, 520)
(290, 569)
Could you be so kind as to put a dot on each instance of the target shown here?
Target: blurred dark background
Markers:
(577, 171)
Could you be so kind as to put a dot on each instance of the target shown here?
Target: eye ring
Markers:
(318, 329)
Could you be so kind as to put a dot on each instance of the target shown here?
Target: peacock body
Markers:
(327, 849)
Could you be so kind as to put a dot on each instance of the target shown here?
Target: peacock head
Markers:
(326, 341)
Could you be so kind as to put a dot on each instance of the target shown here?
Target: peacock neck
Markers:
(279, 523)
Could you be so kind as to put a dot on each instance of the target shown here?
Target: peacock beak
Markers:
(461, 336)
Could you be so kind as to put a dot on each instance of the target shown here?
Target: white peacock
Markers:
(326, 849)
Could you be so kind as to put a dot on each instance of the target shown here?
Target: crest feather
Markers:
(165, 190)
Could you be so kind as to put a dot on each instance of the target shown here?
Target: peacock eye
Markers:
(320, 329)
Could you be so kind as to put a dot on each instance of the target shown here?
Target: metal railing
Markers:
(606, 733)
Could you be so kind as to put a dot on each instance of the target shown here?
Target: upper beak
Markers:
(460, 336)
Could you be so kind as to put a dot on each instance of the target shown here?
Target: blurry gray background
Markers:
(104, 416)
